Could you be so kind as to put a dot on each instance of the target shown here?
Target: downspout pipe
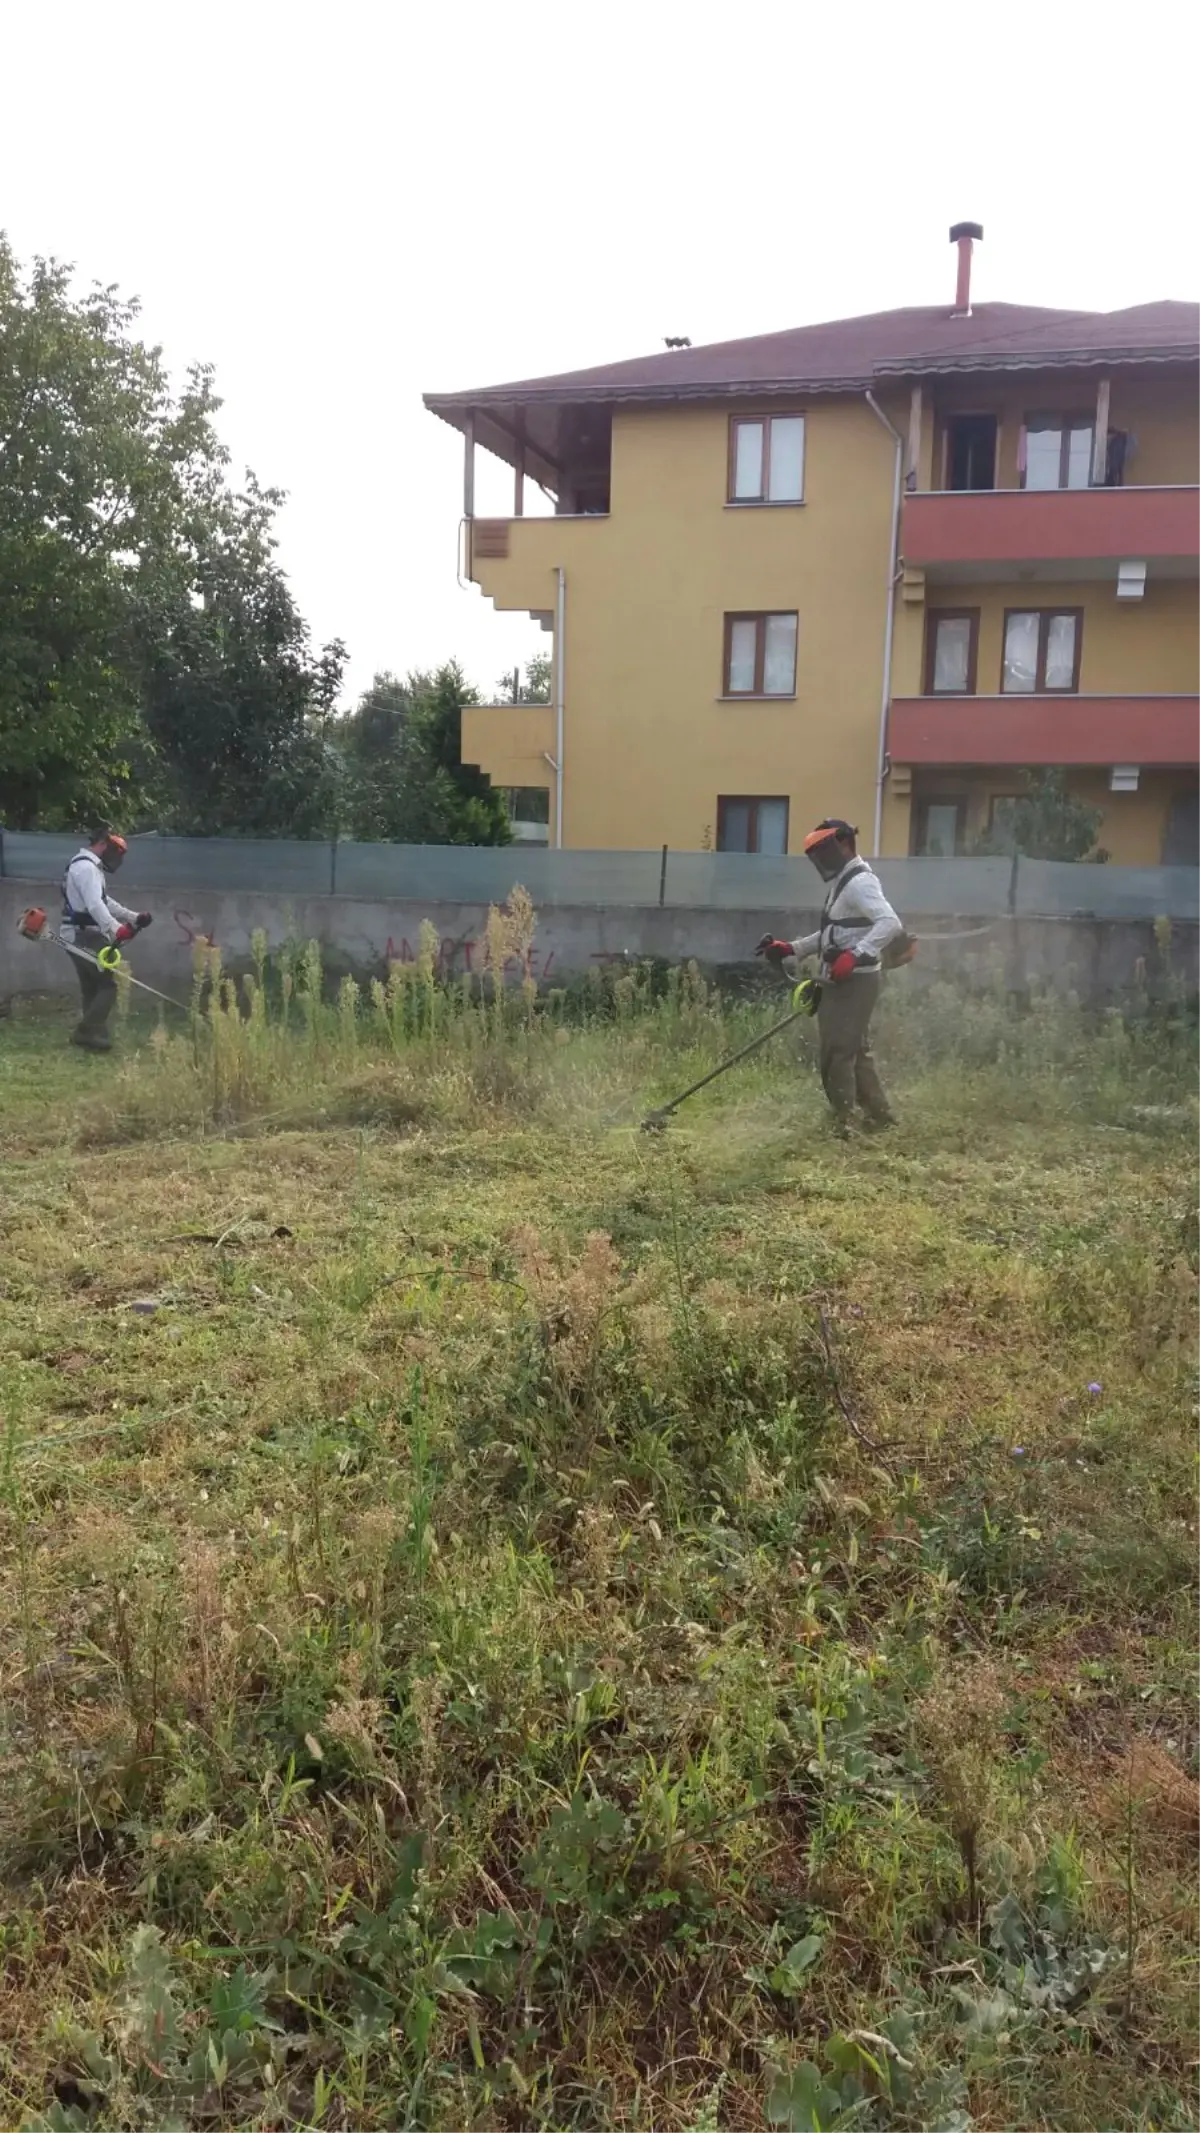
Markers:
(560, 664)
(889, 625)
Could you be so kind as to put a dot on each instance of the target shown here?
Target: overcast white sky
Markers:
(343, 206)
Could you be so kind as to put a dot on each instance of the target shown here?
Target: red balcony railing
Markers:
(1030, 730)
(988, 526)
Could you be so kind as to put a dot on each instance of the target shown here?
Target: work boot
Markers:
(879, 1121)
(88, 1043)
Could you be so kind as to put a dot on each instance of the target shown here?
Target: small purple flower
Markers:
(1018, 1452)
(1095, 1387)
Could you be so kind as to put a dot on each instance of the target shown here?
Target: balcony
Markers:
(1053, 533)
(513, 743)
(1027, 731)
(514, 560)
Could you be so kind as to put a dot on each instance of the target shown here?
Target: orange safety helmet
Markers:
(831, 827)
(115, 846)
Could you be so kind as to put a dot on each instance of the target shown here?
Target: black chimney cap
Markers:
(965, 229)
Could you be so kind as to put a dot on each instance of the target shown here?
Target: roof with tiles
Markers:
(853, 353)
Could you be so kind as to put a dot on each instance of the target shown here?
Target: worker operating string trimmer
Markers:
(92, 924)
(858, 937)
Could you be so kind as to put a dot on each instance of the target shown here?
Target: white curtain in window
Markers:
(787, 459)
(1079, 458)
(748, 460)
(1020, 654)
(952, 654)
(779, 662)
(1060, 652)
(772, 826)
(743, 645)
(1043, 456)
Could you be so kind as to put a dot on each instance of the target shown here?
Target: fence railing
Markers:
(472, 874)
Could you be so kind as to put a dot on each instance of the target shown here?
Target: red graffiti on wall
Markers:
(191, 931)
(447, 952)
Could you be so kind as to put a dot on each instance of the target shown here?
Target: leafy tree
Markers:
(151, 656)
(483, 816)
(1046, 822)
(239, 706)
(386, 774)
(531, 688)
(405, 780)
(88, 439)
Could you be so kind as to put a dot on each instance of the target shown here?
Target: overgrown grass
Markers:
(511, 1622)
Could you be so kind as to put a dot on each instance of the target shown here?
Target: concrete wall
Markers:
(1093, 957)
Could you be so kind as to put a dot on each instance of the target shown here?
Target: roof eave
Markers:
(1031, 359)
(448, 405)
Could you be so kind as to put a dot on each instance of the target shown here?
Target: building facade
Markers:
(880, 568)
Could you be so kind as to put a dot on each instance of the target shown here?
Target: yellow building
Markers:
(876, 568)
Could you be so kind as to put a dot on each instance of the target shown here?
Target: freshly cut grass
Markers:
(514, 1623)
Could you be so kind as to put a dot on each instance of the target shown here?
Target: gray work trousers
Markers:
(848, 1073)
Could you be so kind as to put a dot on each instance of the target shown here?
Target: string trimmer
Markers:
(34, 926)
(805, 1000)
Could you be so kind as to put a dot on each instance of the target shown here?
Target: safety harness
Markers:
(848, 925)
(81, 918)
(898, 951)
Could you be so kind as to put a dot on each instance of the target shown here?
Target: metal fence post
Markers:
(333, 867)
(1012, 885)
(662, 879)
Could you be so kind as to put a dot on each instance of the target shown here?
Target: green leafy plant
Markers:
(162, 2062)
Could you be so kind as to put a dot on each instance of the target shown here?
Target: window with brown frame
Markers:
(940, 826)
(1056, 451)
(1042, 647)
(951, 651)
(766, 459)
(750, 823)
(760, 655)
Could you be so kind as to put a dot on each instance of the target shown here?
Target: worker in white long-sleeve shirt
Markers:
(92, 920)
(858, 926)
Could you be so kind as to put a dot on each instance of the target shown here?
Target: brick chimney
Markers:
(964, 235)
